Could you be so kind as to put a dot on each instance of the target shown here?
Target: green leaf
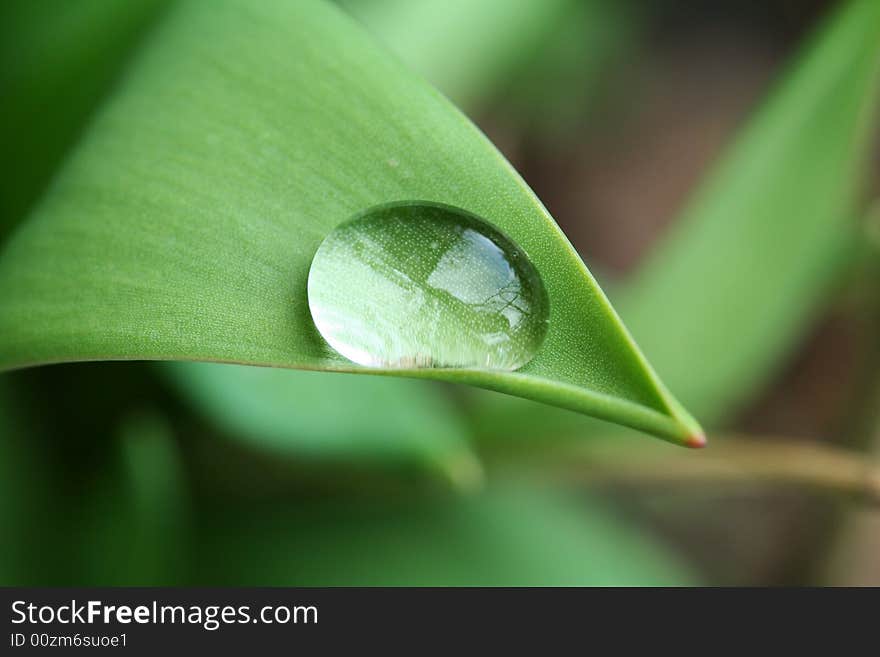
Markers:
(739, 279)
(463, 47)
(512, 536)
(125, 524)
(56, 61)
(184, 225)
(544, 60)
(134, 520)
(325, 419)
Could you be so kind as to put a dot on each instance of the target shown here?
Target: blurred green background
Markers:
(762, 318)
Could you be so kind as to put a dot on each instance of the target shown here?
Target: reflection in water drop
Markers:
(426, 285)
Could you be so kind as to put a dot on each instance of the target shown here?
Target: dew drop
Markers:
(416, 284)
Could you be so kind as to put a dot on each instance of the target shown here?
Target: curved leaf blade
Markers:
(184, 225)
(739, 279)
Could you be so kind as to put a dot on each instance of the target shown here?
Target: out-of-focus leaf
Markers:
(543, 59)
(739, 278)
(514, 536)
(135, 521)
(737, 281)
(466, 48)
(57, 59)
(347, 418)
(160, 501)
(120, 518)
(184, 225)
(568, 77)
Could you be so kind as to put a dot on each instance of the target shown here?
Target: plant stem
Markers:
(733, 459)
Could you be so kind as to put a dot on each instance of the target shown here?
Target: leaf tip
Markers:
(695, 440)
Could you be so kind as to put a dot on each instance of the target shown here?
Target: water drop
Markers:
(417, 284)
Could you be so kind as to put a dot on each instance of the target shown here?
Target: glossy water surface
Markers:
(411, 285)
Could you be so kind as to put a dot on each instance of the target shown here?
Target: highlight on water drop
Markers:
(417, 284)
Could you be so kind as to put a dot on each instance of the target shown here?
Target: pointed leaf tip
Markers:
(184, 224)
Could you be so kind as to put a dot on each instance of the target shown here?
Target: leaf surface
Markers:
(740, 278)
(184, 224)
(56, 62)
